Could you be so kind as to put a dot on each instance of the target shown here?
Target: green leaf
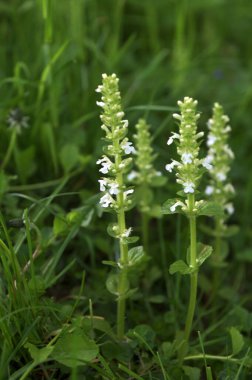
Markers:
(203, 252)
(210, 209)
(112, 284)
(136, 256)
(237, 340)
(59, 225)
(110, 263)
(39, 355)
(166, 207)
(158, 181)
(113, 230)
(74, 349)
(192, 372)
(69, 157)
(144, 334)
(181, 267)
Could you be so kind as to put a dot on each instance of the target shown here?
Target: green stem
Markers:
(123, 277)
(217, 259)
(145, 231)
(193, 275)
(10, 149)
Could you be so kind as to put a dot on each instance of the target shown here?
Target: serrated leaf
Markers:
(39, 355)
(136, 255)
(204, 251)
(74, 349)
(210, 209)
(181, 267)
(237, 340)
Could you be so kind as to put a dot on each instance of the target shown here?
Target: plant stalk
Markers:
(123, 277)
(193, 275)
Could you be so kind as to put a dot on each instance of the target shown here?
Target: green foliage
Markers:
(55, 325)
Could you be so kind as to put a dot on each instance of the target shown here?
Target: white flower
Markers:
(229, 188)
(189, 187)
(99, 88)
(228, 151)
(125, 123)
(127, 192)
(100, 104)
(113, 188)
(173, 207)
(211, 140)
(187, 158)
(207, 162)
(210, 123)
(173, 137)
(127, 147)
(120, 114)
(103, 184)
(177, 116)
(209, 190)
(127, 232)
(221, 176)
(106, 200)
(132, 175)
(229, 208)
(106, 164)
(169, 167)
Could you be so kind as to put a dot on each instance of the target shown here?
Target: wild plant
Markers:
(189, 170)
(145, 178)
(219, 189)
(116, 196)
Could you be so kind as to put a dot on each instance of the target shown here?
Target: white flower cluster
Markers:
(113, 164)
(188, 168)
(220, 189)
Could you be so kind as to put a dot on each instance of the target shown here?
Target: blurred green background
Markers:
(53, 53)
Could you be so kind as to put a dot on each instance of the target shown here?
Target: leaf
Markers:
(181, 267)
(204, 251)
(237, 340)
(39, 355)
(98, 323)
(166, 207)
(110, 263)
(144, 334)
(210, 209)
(192, 372)
(59, 225)
(69, 157)
(74, 349)
(112, 284)
(158, 181)
(136, 256)
(113, 230)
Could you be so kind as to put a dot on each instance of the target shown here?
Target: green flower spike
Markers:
(189, 170)
(115, 164)
(220, 189)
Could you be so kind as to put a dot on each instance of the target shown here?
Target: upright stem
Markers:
(123, 280)
(194, 274)
(145, 231)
